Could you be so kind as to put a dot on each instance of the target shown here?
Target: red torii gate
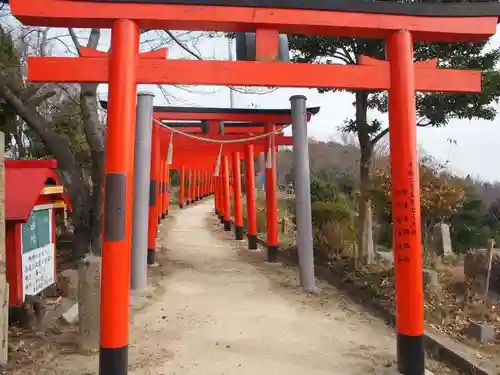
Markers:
(399, 24)
(183, 157)
(269, 120)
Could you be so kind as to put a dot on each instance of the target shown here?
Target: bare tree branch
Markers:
(379, 136)
(74, 38)
(95, 35)
(30, 91)
(422, 123)
(39, 99)
(182, 45)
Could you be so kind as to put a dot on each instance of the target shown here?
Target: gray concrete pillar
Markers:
(302, 193)
(261, 171)
(142, 169)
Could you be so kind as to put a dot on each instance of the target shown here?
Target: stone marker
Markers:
(89, 301)
(442, 240)
(384, 256)
(482, 332)
(4, 286)
(71, 316)
(67, 282)
(476, 270)
(430, 278)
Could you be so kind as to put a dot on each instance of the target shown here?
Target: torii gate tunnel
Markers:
(215, 121)
(397, 23)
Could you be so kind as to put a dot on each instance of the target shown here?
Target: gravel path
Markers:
(221, 314)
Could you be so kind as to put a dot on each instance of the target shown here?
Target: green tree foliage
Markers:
(468, 229)
(332, 218)
(492, 218)
(323, 191)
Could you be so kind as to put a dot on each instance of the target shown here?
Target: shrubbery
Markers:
(332, 219)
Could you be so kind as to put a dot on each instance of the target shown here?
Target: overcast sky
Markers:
(477, 148)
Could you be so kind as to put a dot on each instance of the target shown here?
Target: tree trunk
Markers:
(21, 152)
(94, 135)
(365, 220)
(96, 202)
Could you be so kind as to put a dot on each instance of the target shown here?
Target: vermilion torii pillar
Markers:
(271, 199)
(226, 193)
(250, 196)
(166, 194)
(188, 186)
(153, 194)
(192, 184)
(159, 186)
(182, 186)
(200, 183)
(406, 205)
(238, 209)
(398, 23)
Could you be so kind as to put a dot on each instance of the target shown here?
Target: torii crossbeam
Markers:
(92, 67)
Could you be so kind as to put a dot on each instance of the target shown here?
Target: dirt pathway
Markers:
(222, 315)
(214, 312)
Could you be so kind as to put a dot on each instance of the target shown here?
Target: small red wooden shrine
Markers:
(33, 193)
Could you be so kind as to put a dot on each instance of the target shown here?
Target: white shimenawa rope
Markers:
(218, 141)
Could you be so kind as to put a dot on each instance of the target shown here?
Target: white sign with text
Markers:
(38, 269)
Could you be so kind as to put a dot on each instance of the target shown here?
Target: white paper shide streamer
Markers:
(170, 154)
(217, 163)
(269, 160)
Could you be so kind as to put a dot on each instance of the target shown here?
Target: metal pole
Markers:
(260, 171)
(302, 193)
(142, 169)
(231, 91)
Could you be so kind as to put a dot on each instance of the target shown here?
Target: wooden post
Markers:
(491, 245)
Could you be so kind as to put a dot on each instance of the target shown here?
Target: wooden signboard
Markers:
(38, 252)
